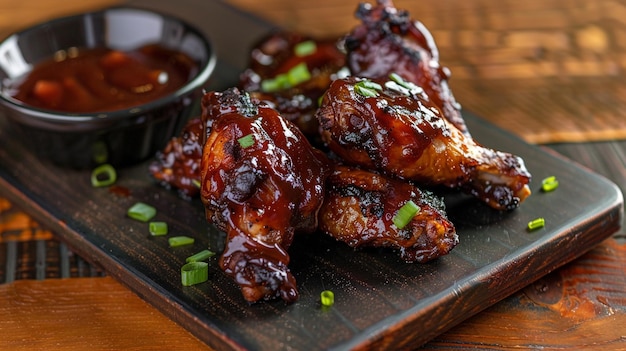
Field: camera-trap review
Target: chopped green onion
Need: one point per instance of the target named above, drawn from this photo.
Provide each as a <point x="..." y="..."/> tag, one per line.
<point x="141" y="212"/>
<point x="182" y="240"/>
<point x="194" y="273"/>
<point x="405" y="214"/>
<point x="536" y="223"/>
<point x="157" y="228"/>
<point x="549" y="184"/>
<point x="103" y="175"/>
<point x="327" y="298"/>
<point x="270" y="85"/>
<point x="413" y="88"/>
<point x="246" y="141"/>
<point x="305" y="48"/>
<point x="279" y="82"/>
<point x="201" y="256"/>
<point x="370" y="85"/>
<point x="298" y="74"/>
<point x="396" y="78"/>
<point x="196" y="183"/>
<point x="367" y="92"/>
<point x="391" y="85"/>
<point x="367" y="88"/>
<point x="99" y="151"/>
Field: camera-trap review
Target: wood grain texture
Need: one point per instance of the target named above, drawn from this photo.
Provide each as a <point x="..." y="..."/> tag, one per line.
<point x="564" y="310"/>
<point x="16" y="225"/>
<point x="29" y="250"/>
<point x="581" y="306"/>
<point x="556" y="67"/>
<point x="84" y="314"/>
<point x="17" y="15"/>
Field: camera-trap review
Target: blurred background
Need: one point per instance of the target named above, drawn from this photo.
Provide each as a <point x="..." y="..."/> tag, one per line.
<point x="547" y="70"/>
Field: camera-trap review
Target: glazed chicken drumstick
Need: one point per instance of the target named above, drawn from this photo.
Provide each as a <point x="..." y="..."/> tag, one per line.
<point x="389" y="41"/>
<point x="261" y="182"/>
<point x="393" y="127"/>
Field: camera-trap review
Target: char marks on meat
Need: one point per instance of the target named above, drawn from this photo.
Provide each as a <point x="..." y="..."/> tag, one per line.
<point x="260" y="193"/>
<point x="403" y="134"/>
<point x="389" y="41"/>
<point x="388" y="127"/>
<point x="360" y="206"/>
<point x="178" y="164"/>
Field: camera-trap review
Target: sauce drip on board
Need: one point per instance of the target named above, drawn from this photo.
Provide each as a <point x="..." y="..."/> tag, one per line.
<point x="102" y="79"/>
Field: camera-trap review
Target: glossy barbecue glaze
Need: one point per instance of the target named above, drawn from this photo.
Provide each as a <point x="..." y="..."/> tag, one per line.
<point x="389" y="41"/>
<point x="259" y="193"/>
<point x="402" y="133"/>
<point x="255" y="190"/>
<point x="360" y="206"/>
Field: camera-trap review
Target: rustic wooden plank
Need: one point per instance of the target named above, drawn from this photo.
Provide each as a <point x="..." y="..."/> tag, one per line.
<point x="581" y="306"/>
<point x="30" y="251"/>
<point x="75" y="314"/>
<point x="15" y="15"/>
<point x="582" y="312"/>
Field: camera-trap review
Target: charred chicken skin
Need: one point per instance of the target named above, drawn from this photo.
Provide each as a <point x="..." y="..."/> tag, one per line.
<point x="261" y="182"/>
<point x="389" y="41"/>
<point x="360" y="206"/>
<point x="387" y="127"/>
<point x="264" y="190"/>
<point x="178" y="164"/>
<point x="392" y="126"/>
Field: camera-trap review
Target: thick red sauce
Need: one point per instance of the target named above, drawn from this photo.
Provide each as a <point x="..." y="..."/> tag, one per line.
<point x="100" y="79"/>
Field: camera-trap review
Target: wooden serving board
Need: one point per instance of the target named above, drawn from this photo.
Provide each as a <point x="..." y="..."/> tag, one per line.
<point x="381" y="302"/>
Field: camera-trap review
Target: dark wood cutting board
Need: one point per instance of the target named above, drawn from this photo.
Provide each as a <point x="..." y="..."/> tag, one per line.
<point x="381" y="302"/>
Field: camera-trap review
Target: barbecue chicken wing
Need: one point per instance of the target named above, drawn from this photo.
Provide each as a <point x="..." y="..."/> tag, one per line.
<point x="360" y="208"/>
<point x="394" y="128"/>
<point x="389" y="41"/>
<point x="261" y="182"/>
<point x="178" y="164"/>
<point x="292" y="71"/>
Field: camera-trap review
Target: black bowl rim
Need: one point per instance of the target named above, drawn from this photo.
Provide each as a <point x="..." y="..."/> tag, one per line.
<point x="60" y="117"/>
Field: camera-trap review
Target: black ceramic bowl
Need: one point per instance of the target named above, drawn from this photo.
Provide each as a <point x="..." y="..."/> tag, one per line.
<point x="120" y="137"/>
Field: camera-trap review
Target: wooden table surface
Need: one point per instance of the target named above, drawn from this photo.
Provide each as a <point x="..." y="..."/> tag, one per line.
<point x="533" y="84"/>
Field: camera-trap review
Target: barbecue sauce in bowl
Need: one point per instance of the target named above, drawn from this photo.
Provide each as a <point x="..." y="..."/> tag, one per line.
<point x="102" y="79"/>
